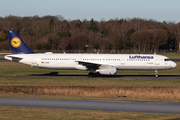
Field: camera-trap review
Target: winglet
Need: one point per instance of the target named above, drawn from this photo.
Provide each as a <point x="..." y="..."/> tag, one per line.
<point x="17" y="44"/>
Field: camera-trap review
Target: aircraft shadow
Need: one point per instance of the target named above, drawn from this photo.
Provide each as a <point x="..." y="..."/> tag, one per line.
<point x="55" y="74"/>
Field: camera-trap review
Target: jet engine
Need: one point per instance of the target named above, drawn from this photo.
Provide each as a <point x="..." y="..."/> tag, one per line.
<point x="107" y="70"/>
<point x="80" y="67"/>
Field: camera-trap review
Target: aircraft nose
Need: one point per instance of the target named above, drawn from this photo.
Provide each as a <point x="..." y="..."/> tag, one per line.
<point x="174" y="64"/>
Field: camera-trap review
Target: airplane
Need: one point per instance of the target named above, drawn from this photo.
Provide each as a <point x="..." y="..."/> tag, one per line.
<point x="104" y="64"/>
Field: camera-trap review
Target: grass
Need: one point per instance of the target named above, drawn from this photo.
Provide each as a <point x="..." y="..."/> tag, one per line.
<point x="171" y="55"/>
<point x="94" y="88"/>
<point x="132" y="92"/>
<point x="87" y="82"/>
<point x="2" y="55"/>
<point x="24" y="113"/>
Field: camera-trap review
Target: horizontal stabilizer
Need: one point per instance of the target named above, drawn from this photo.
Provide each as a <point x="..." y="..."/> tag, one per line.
<point x="15" y="58"/>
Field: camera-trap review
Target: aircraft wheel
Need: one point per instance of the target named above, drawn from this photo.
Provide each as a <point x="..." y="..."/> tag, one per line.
<point x="156" y="72"/>
<point x="156" y="75"/>
<point x="90" y="74"/>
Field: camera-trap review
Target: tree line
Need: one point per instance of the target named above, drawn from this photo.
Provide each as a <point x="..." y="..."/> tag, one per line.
<point x="57" y="33"/>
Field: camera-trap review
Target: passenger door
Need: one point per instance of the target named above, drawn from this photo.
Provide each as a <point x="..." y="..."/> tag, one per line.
<point x="122" y="61"/>
<point x="157" y="60"/>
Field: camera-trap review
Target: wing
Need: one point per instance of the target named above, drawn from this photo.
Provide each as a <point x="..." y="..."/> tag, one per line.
<point x="90" y="65"/>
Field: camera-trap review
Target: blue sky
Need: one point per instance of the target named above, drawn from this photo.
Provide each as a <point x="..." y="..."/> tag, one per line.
<point x="160" y="10"/>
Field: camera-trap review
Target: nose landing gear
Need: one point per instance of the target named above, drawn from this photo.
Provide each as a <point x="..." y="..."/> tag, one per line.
<point x="156" y="73"/>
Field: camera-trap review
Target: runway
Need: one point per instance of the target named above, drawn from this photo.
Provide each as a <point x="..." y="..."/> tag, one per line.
<point x="96" y="76"/>
<point x="3" y="60"/>
<point x="149" y="107"/>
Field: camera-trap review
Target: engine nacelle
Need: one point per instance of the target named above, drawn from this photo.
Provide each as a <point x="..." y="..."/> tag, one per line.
<point x="107" y="70"/>
<point x="80" y="67"/>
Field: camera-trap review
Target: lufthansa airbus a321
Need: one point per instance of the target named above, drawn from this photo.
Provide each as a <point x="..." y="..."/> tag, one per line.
<point x="104" y="64"/>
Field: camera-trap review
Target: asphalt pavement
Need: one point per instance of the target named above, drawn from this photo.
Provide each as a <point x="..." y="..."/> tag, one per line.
<point x="127" y="106"/>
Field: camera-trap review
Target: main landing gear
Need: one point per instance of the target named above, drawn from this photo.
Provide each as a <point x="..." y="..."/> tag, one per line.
<point x="90" y="74"/>
<point x="156" y="73"/>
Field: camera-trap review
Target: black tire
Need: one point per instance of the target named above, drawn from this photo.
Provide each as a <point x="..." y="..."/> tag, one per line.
<point x="90" y="74"/>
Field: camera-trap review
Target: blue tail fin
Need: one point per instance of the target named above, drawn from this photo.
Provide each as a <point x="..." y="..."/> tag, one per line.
<point x="17" y="45"/>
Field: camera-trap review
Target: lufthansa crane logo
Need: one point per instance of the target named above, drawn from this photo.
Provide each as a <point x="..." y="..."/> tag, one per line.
<point x="15" y="42"/>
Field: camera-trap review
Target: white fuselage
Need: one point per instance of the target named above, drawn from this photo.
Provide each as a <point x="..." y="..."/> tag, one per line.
<point x="72" y="61"/>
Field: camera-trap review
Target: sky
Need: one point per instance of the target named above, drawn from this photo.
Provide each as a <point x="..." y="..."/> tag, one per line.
<point x="159" y="10"/>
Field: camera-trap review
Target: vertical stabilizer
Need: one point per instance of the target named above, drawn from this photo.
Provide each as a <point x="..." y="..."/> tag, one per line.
<point x="17" y="44"/>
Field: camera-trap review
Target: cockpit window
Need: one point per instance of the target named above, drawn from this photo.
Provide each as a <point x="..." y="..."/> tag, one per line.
<point x="167" y="60"/>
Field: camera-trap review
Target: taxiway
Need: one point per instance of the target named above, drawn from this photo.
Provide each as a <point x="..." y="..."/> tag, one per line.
<point x="127" y="106"/>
